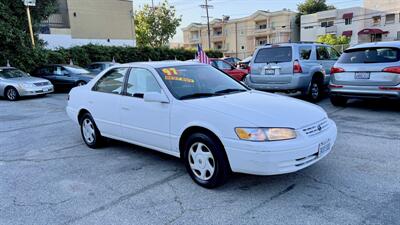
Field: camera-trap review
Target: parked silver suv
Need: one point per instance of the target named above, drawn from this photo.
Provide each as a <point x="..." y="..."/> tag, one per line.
<point x="290" y="67"/>
<point x="369" y="70"/>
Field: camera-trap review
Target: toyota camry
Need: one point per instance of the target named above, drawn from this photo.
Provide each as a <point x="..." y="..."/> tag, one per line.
<point x="193" y="111"/>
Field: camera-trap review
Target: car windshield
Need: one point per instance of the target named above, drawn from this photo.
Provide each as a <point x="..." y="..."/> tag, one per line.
<point x="370" y="55"/>
<point x="77" y="70"/>
<point x="198" y="81"/>
<point x="12" y="73"/>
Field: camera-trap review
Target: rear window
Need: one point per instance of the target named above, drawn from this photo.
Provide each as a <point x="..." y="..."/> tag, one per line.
<point x="370" y="55"/>
<point x="273" y="54"/>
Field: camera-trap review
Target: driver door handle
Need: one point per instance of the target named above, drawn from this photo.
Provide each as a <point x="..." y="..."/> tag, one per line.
<point x="125" y="108"/>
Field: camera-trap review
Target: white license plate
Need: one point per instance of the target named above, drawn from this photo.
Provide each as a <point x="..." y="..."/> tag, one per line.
<point x="324" y="147"/>
<point x="362" y="75"/>
<point x="270" y="71"/>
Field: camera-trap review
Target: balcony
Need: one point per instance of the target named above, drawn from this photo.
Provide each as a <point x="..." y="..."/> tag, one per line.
<point x="218" y="37"/>
<point x="331" y="29"/>
<point x="194" y="40"/>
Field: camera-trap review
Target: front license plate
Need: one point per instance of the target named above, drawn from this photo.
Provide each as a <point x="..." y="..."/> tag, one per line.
<point x="324" y="147"/>
<point x="270" y="72"/>
<point x="362" y="75"/>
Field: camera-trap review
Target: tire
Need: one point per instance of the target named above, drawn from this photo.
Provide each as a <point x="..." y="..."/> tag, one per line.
<point x="89" y="131"/>
<point x="80" y="83"/>
<point x="338" y="100"/>
<point x="11" y="94"/>
<point x="315" y="91"/>
<point x="205" y="160"/>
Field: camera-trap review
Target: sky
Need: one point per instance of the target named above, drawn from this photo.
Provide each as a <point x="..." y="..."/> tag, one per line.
<point x="191" y="11"/>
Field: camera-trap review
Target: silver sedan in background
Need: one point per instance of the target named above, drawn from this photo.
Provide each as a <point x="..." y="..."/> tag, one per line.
<point x="369" y="70"/>
<point x="15" y="83"/>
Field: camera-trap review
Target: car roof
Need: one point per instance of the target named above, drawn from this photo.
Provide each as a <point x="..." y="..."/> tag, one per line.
<point x="293" y="44"/>
<point x="7" y="67"/>
<point x="161" y="64"/>
<point x="377" y="44"/>
<point x="105" y="62"/>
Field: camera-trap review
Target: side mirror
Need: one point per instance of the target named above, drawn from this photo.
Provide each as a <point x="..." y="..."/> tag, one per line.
<point x="155" y="97"/>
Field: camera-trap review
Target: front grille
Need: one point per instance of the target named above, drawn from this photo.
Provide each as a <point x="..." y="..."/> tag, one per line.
<point x="316" y="128"/>
<point x="41" y="84"/>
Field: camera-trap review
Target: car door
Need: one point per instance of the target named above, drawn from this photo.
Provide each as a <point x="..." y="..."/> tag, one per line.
<point x="144" y="123"/>
<point x="326" y="57"/>
<point x="63" y="77"/>
<point x="47" y="73"/>
<point x="229" y="69"/>
<point x="104" y="102"/>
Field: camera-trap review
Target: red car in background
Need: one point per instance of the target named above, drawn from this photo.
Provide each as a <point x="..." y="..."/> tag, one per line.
<point x="238" y="74"/>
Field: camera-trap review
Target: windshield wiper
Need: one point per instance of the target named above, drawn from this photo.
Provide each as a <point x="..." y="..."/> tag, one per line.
<point x="197" y="95"/>
<point x="230" y="90"/>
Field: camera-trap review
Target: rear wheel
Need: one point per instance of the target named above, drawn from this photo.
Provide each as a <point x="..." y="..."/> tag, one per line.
<point x="81" y="83"/>
<point x="205" y="160"/>
<point x="11" y="94"/>
<point x="338" y="100"/>
<point x="90" y="133"/>
<point x="315" y="92"/>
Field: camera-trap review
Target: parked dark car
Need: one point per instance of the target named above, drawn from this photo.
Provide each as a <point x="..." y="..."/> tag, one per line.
<point x="64" y="76"/>
<point x="98" y="67"/>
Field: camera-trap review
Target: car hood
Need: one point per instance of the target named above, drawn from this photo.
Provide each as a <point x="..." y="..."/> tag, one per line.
<point x="263" y="109"/>
<point x="29" y="80"/>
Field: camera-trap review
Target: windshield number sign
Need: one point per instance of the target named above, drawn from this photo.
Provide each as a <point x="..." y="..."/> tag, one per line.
<point x="170" y="71"/>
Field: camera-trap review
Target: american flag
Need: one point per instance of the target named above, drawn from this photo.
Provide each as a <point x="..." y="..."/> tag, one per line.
<point x="202" y="57"/>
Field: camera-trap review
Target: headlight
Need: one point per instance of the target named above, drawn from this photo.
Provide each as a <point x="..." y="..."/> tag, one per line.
<point x="27" y="85"/>
<point x="265" y="134"/>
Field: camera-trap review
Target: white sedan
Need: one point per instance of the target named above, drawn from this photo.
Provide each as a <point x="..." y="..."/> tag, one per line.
<point x="198" y="113"/>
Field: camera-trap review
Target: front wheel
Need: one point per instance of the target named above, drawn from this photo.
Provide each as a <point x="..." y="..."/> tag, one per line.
<point x="90" y="133"/>
<point x="205" y="160"/>
<point x="11" y="94"/>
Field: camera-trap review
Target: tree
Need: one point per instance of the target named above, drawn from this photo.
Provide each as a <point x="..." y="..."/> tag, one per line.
<point x="14" y="33"/>
<point x="332" y="39"/>
<point x="155" y="26"/>
<point x="310" y="7"/>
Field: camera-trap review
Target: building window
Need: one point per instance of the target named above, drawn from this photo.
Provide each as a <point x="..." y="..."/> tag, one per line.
<point x="348" y="21"/>
<point x="390" y="18"/>
<point x="262" y="26"/>
<point x="308" y="27"/>
<point x="327" y="24"/>
<point x="398" y="35"/>
<point x="376" y="20"/>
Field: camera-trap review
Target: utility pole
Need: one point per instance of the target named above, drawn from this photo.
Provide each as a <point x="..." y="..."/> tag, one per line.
<point x="207" y="6"/>
<point x="28" y="3"/>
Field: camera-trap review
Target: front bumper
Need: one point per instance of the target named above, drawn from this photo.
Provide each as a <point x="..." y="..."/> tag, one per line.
<point x="271" y="158"/>
<point x="365" y="91"/>
<point x="40" y="90"/>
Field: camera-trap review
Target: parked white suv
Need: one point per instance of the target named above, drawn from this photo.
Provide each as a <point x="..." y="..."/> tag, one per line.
<point x="200" y="114"/>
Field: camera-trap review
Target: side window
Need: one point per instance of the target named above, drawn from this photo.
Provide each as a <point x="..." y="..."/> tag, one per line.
<point x="112" y="82"/>
<point x="223" y="65"/>
<point x="305" y="52"/>
<point x="322" y="53"/>
<point x="141" y="81"/>
<point x="333" y="54"/>
<point x="59" y="71"/>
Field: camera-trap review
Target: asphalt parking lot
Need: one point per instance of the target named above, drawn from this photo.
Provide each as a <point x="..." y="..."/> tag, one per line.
<point x="48" y="176"/>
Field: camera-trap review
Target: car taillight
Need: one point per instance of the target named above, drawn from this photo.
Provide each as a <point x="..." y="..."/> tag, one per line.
<point x="297" y="67"/>
<point x="336" y="70"/>
<point x="395" y="69"/>
<point x="249" y="69"/>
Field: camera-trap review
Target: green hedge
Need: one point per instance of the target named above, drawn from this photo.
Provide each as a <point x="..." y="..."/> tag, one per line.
<point x="84" y="55"/>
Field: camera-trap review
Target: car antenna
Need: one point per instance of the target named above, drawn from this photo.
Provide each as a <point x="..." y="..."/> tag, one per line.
<point x="8" y="63"/>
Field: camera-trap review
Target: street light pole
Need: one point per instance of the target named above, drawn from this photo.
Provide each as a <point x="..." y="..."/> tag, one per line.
<point x="28" y="12"/>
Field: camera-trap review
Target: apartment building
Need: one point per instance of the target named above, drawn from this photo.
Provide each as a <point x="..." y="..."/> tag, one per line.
<point x="77" y="22"/>
<point x="372" y="22"/>
<point x="240" y="37"/>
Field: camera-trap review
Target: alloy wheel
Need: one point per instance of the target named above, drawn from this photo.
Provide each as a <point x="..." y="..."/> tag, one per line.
<point x="315" y="91"/>
<point x="201" y="161"/>
<point x="88" y="131"/>
<point x="12" y="94"/>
